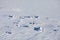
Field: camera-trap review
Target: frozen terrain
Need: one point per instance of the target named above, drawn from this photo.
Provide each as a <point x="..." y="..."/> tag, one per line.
<point x="29" y="19"/>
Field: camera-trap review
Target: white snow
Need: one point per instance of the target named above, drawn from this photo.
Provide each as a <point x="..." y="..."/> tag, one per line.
<point x="49" y="19"/>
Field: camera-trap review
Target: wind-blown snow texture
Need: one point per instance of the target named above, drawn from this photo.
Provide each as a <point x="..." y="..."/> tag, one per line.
<point x="29" y="19"/>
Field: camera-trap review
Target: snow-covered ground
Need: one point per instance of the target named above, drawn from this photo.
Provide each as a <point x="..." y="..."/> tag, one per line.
<point x="29" y="19"/>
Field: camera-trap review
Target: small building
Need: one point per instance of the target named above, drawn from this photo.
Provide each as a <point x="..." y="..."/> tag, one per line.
<point x="36" y="28"/>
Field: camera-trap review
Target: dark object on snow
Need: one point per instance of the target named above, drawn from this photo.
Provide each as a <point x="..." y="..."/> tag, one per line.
<point x="36" y="16"/>
<point x="9" y="32"/>
<point x="10" y="16"/>
<point x="25" y="26"/>
<point x="54" y="30"/>
<point x="32" y="23"/>
<point x="36" y="28"/>
<point x="27" y="16"/>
